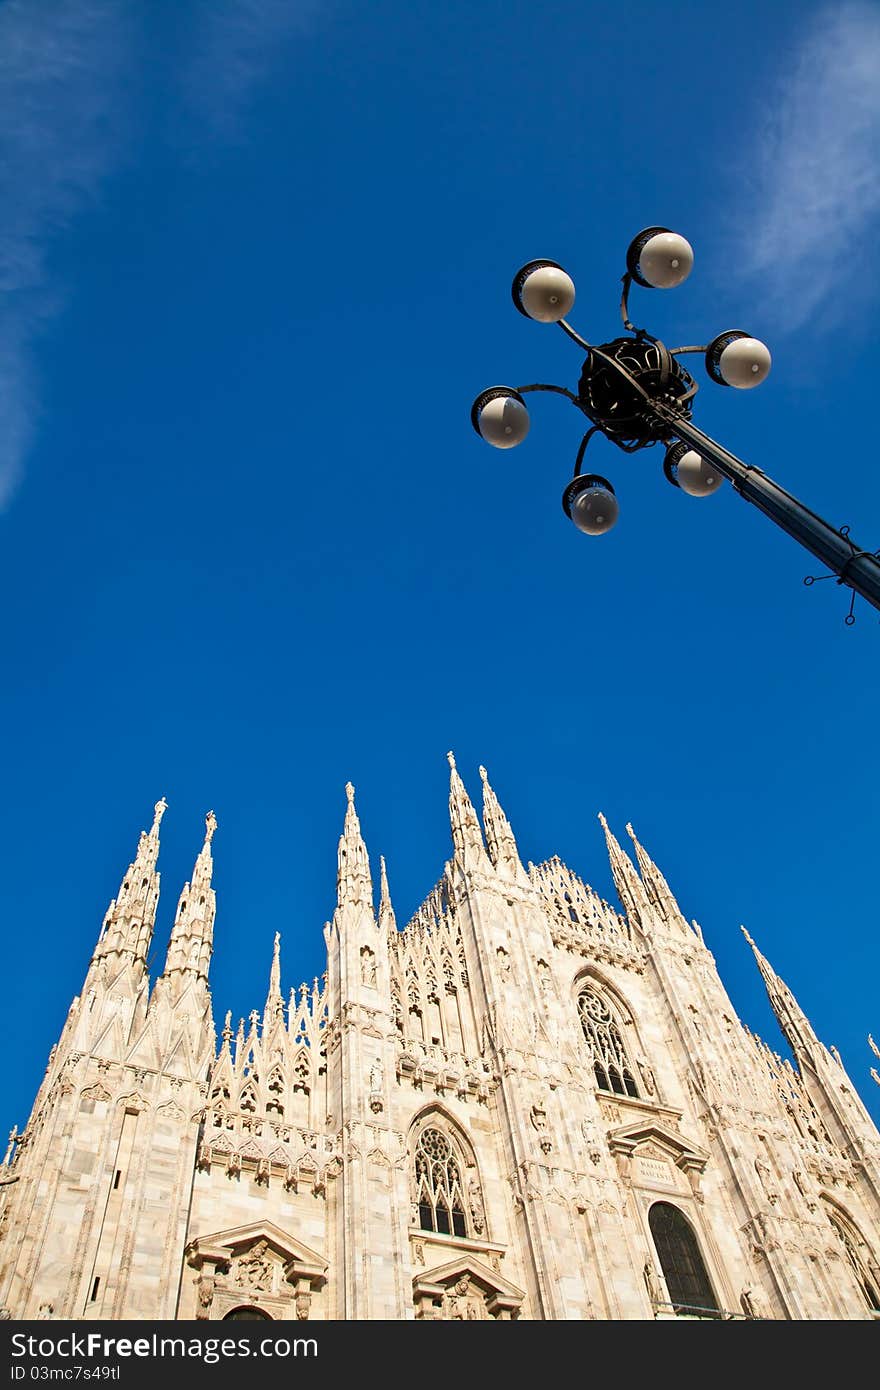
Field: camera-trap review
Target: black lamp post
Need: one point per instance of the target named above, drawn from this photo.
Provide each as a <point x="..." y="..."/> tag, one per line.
<point x="636" y="392"/>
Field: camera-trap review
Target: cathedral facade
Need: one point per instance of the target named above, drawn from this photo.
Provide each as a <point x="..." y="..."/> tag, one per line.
<point x="524" y="1104"/>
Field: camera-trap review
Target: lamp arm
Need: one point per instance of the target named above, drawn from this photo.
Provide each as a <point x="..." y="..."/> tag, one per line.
<point x="858" y="569"/>
<point x="575" y="337"/>
<point x="545" y="386"/>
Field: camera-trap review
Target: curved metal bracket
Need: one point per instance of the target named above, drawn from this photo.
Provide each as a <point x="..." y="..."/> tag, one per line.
<point x="545" y="386"/>
<point x="583" y="449"/>
<point x="575" y="337"/>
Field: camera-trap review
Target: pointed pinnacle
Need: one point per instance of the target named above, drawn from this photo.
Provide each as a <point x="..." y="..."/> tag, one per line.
<point x="159" y="810"/>
<point x="384" y="895"/>
<point x="274" y="995"/>
<point x="748" y="938"/>
<point x="451" y="759"/>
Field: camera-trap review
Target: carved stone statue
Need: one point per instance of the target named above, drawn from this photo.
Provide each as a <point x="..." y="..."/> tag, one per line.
<point x="752" y="1303"/>
<point x="464" y="1302"/>
<point x="647" y="1076"/>
<point x="255" y="1269"/>
<point x="762" y="1168"/>
<point x="368" y="967"/>
<point x="652" y="1283"/>
<point x="475" y="1202"/>
<point x="205" y="1291"/>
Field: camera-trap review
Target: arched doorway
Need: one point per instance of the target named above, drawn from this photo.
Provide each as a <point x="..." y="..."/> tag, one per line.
<point x="250" y="1314"/>
<point x="687" y="1280"/>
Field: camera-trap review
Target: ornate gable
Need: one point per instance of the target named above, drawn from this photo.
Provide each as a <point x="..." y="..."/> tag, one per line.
<point x="465" y="1289"/>
<point x="257" y="1265"/>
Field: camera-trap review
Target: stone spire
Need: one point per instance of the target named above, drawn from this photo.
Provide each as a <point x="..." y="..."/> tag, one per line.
<point x="657" y="890"/>
<point x="500" y="841"/>
<point x="466" y="835"/>
<point x="274" y="999"/>
<point x="626" y="880"/>
<point x="128" y="925"/>
<point x="387" y="919"/>
<point x="353" y="881"/>
<point x="192" y="936"/>
<point x="791" y="1019"/>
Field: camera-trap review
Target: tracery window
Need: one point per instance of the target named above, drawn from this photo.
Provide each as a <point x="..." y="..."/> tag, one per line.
<point x="683" y="1269"/>
<point x="865" y="1282"/>
<point x="610" y="1062"/>
<point x="439" y="1185"/>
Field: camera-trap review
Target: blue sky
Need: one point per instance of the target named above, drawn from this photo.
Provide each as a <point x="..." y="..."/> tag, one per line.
<point x="255" y="261"/>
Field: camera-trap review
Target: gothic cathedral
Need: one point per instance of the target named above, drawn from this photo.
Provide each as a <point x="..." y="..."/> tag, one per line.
<point x="524" y="1104"/>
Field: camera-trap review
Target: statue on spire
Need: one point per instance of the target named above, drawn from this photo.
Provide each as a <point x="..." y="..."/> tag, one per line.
<point x="159" y="810"/>
<point x="500" y="840"/>
<point x="353" y="882"/>
<point x="210" y="827"/>
<point x="467" y="837"/>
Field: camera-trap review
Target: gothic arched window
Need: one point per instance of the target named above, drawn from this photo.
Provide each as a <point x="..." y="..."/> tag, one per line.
<point x="610" y="1062"/>
<point x="851" y="1246"/>
<point x="681" y="1261"/>
<point x="439" y="1185"/>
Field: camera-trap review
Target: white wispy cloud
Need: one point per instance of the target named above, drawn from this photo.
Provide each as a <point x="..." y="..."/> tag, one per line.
<point x="61" y="69"/>
<point x="68" y="107"/>
<point x="810" y="187"/>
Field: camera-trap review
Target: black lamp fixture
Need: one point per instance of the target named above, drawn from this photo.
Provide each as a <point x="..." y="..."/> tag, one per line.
<point x="637" y="393"/>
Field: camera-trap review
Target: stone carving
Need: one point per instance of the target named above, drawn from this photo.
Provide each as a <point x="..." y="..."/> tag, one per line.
<point x="538" y="1116"/>
<point x="475" y="1201"/>
<point x="544" y="981"/>
<point x="762" y="1168"/>
<point x="647" y="1076"/>
<point x="368" y="967"/>
<point x="652" y="1284"/>
<point x="464" y="1302"/>
<point x="13" y="1138"/>
<point x="752" y="1303"/>
<point x="205" y="1297"/>
<point x="255" y="1270"/>
<point x="377" y="1081"/>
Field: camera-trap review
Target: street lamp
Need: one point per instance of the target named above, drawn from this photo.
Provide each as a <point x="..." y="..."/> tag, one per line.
<point x="636" y="392"/>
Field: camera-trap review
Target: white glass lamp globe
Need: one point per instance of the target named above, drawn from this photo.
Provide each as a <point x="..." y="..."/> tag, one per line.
<point x="660" y="259"/>
<point x="500" y="416"/>
<point x="543" y="291"/>
<point x="694" y="476"/>
<point x="744" y="363"/>
<point x="591" y="504"/>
